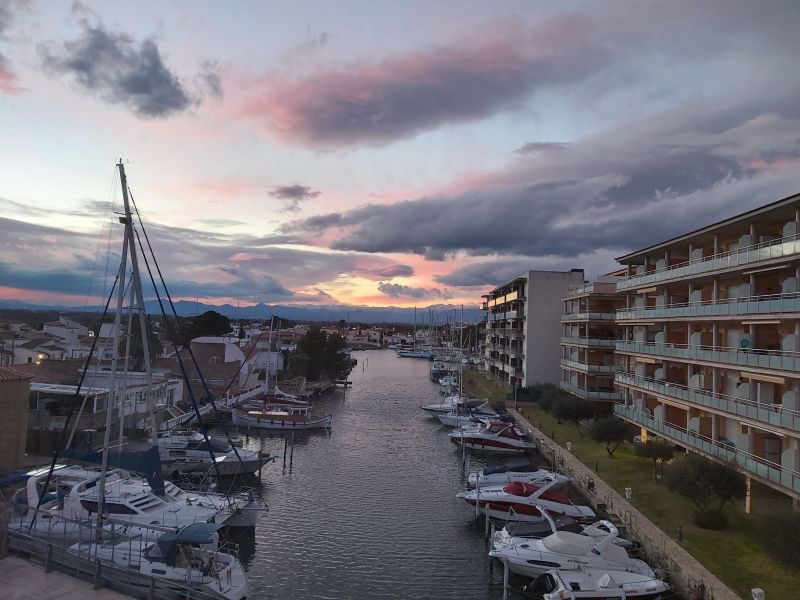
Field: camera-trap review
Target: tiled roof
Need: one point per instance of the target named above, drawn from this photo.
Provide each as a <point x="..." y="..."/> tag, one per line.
<point x="9" y="374"/>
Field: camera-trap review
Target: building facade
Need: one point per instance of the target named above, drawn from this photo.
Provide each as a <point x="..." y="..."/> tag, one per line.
<point x="523" y="330"/>
<point x="709" y="351"/>
<point x="14" y="391"/>
<point x="588" y="338"/>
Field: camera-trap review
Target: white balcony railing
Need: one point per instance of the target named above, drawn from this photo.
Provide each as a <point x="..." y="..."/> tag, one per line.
<point x="589" y="316"/>
<point x="774" y="414"/>
<point x="750" y="463"/>
<point x="740" y="357"/>
<point x="764" y="251"/>
<point x="752" y="305"/>
<point x="589" y="368"/>
<point x="588" y="394"/>
<point x="589" y="341"/>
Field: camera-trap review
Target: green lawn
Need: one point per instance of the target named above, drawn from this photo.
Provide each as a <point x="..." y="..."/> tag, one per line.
<point x="733" y="555"/>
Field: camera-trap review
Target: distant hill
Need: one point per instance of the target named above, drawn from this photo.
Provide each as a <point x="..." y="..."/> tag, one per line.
<point x="354" y="314"/>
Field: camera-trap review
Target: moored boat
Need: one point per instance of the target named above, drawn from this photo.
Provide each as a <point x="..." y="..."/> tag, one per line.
<point x="495" y="436"/>
<point x="281" y="417"/>
<point x="519" y="501"/>
<point x="597" y="584"/>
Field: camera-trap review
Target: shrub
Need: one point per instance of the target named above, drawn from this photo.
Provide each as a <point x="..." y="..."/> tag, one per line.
<point x="567" y="407"/>
<point x="709" y="485"/>
<point x="609" y="431"/>
<point x="655" y="450"/>
<point x="548" y="395"/>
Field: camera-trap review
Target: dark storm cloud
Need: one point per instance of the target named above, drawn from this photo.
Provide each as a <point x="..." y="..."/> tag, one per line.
<point x="292" y="195"/>
<point x="396" y="290"/>
<point x="625" y="188"/>
<point x="117" y="69"/>
<point x="376" y="103"/>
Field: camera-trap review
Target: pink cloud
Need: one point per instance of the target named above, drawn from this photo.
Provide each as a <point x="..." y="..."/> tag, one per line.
<point x="375" y="103"/>
<point x="8" y="82"/>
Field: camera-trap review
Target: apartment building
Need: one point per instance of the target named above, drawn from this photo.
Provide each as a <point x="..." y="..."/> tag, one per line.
<point x="709" y="353"/>
<point x="588" y="338"/>
<point x="523" y="329"/>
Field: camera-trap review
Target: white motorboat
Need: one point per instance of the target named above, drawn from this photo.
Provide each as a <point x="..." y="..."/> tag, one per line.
<point x="552" y="524"/>
<point x="189" y="453"/>
<point x="449" y="404"/>
<point x="536" y="476"/>
<point x="495" y="436"/>
<point x="426" y="354"/>
<point x="565" y="550"/>
<point x="281" y="416"/>
<point x="467" y="415"/>
<point x="449" y="380"/>
<point x="519" y="501"/>
<point x="175" y="565"/>
<point x="597" y="584"/>
<point x="132" y="500"/>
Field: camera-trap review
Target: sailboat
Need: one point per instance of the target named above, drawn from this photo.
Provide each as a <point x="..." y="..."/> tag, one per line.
<point x="110" y="495"/>
<point x="415" y="352"/>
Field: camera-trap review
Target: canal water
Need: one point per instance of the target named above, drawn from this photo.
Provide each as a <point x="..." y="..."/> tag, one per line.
<point x="369" y="509"/>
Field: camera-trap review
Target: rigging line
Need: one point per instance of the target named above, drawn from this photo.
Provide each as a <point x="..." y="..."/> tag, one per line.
<point x="69" y="414"/>
<point x="184" y="374"/>
<point x="175" y="314"/>
<point x="94" y="376"/>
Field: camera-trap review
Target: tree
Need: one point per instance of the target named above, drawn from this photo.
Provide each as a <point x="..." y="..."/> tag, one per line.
<point x="210" y="323"/>
<point x="709" y="485"/>
<point x="655" y="450"/>
<point x="320" y="354"/>
<point x="571" y="408"/>
<point x="547" y="395"/>
<point x="610" y="431"/>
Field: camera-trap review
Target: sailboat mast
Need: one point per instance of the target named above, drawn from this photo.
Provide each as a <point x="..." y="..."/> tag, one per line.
<point x="137" y="289"/>
<point x="112" y="392"/>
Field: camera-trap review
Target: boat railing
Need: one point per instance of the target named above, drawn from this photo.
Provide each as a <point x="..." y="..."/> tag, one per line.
<point x="79" y="561"/>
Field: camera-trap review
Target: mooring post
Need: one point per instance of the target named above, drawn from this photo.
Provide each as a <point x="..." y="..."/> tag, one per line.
<point x="505" y="579"/>
<point x="486" y="526"/>
<point x="477" y="498"/>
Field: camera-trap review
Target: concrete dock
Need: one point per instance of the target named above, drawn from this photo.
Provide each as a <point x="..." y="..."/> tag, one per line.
<point x="23" y="580"/>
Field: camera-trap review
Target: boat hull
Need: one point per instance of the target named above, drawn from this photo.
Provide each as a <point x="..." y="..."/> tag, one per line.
<point x="281" y="424"/>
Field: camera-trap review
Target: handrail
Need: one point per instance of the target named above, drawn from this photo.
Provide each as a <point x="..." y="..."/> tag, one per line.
<point x="762" y="351"/>
<point x="727" y="397"/>
<point x="767" y="462"/>
<point x="717" y="302"/>
<point x="742" y="250"/>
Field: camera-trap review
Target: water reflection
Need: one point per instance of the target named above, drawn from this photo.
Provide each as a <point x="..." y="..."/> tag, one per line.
<point x="369" y="509"/>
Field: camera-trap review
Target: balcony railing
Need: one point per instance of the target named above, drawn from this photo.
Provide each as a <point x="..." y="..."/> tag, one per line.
<point x="589" y="341"/>
<point x="773" y="249"/>
<point x="589" y="368"/>
<point x="752" y="305"/>
<point x="589" y="394"/>
<point x="589" y="316"/>
<point x="750" y="463"/>
<point x="506" y="331"/>
<point x="741" y="357"/>
<point x="774" y="414"/>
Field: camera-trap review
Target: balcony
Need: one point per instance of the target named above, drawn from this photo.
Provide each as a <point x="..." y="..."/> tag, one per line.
<point x="754" y="305"/>
<point x="608" y="396"/>
<point x="590" y="342"/>
<point x="751" y="464"/>
<point x="499" y="316"/>
<point x="764" y="252"/>
<point x="774" y="414"/>
<point x="588" y="368"/>
<point x="589" y="316"/>
<point x="507" y="332"/>
<point x="755" y="358"/>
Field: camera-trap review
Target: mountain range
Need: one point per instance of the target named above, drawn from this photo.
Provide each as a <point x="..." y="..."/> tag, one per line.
<point x="440" y="313"/>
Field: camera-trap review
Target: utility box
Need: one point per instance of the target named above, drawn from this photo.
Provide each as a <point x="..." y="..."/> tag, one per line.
<point x="758" y="594"/>
<point x="628" y="494"/>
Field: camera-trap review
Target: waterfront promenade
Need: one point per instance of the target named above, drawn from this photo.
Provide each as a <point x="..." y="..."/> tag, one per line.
<point x="24" y="580"/>
<point x="690" y="577"/>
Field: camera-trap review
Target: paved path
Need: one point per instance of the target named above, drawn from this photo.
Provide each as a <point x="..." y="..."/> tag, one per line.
<point x="23" y="580"/>
<point x="686" y="573"/>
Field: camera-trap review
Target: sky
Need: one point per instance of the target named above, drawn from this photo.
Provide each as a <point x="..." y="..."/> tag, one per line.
<point x="381" y="153"/>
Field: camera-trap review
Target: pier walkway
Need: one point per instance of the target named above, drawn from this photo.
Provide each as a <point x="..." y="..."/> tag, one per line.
<point x="24" y="580"/>
<point x="686" y="574"/>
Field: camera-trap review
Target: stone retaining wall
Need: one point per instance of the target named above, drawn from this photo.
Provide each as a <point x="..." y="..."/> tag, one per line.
<point x="686" y="574"/>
